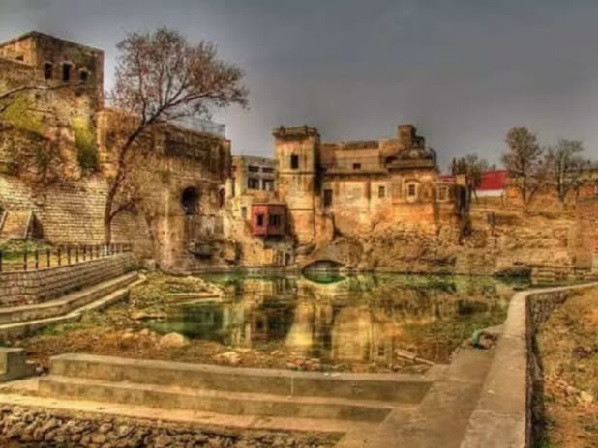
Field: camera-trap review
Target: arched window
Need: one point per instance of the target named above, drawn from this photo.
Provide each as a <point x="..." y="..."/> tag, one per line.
<point x="190" y="201"/>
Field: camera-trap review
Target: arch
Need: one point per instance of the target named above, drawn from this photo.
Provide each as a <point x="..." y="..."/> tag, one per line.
<point x="190" y="201"/>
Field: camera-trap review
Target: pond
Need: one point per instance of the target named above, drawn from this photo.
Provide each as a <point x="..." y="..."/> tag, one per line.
<point x="343" y="319"/>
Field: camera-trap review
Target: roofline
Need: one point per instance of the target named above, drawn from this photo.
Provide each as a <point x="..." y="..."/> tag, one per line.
<point x="33" y="34"/>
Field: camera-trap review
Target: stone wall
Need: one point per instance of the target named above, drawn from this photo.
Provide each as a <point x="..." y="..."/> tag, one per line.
<point x="20" y="288"/>
<point x="72" y="213"/>
<point x="503" y="414"/>
<point x="21" y="426"/>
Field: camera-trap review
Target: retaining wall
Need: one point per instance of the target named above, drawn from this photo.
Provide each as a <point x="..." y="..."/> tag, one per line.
<point x="502" y="417"/>
<point x="20" y="288"/>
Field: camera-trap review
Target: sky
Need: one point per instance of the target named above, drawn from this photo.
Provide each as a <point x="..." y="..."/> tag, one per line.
<point x="462" y="71"/>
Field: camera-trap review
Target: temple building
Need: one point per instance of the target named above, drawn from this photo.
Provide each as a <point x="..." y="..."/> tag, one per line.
<point x="359" y="183"/>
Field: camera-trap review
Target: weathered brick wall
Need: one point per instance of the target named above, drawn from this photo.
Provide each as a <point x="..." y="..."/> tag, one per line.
<point x="18" y="288"/>
<point x="72" y="213"/>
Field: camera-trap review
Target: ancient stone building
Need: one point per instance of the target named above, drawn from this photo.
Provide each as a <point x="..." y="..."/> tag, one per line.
<point x="358" y="184"/>
<point x="179" y="175"/>
<point x="253" y="180"/>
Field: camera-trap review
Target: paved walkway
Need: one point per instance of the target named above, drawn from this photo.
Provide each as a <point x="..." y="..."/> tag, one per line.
<point x="442" y="417"/>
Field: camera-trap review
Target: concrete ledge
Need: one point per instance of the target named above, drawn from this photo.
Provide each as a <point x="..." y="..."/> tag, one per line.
<point x="392" y="388"/>
<point x="502" y="416"/>
<point x="13" y="365"/>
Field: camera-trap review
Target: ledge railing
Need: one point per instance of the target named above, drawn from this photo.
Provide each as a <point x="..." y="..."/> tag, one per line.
<point x="31" y="260"/>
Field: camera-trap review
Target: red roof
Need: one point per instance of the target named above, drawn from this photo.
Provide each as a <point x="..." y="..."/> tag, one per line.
<point x="491" y="180"/>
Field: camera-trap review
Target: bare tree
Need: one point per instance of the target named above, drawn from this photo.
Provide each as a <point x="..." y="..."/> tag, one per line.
<point x="523" y="160"/>
<point x="161" y="77"/>
<point x="473" y="168"/>
<point x="565" y="167"/>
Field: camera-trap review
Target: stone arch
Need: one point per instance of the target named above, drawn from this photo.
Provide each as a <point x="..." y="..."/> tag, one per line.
<point x="190" y="201"/>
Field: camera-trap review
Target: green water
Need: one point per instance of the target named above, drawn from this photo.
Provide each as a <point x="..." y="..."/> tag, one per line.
<point x="343" y="319"/>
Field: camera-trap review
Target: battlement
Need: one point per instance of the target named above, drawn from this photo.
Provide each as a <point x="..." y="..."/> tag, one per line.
<point x="295" y="132"/>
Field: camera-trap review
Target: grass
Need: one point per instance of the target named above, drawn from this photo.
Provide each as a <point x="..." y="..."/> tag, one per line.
<point x="566" y="408"/>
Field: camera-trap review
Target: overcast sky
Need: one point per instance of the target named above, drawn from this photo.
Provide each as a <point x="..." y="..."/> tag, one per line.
<point x="462" y="71"/>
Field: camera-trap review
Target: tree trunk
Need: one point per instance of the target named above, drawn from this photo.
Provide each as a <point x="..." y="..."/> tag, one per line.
<point x="108" y="215"/>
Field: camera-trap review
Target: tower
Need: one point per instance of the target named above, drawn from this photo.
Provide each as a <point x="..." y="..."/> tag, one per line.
<point x="297" y="156"/>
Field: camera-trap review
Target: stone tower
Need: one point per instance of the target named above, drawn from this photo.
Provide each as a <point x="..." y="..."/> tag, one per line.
<point x="297" y="156"/>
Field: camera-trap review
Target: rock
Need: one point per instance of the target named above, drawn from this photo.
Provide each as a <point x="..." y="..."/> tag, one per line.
<point x="150" y="265"/>
<point x="585" y="397"/>
<point x="173" y="340"/>
<point x="232" y="358"/>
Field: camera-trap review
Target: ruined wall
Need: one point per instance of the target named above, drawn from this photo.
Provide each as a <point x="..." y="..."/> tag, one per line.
<point x="20" y="288"/>
<point x="179" y="178"/>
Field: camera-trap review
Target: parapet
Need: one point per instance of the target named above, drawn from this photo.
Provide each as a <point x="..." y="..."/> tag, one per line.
<point x="295" y="132"/>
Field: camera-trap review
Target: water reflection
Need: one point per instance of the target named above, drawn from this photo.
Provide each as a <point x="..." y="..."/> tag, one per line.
<point x="361" y="318"/>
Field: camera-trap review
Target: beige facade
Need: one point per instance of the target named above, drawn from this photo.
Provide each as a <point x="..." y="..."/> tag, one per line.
<point x="359" y="183"/>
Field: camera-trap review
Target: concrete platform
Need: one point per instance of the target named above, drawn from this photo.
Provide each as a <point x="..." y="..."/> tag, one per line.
<point x="389" y="388"/>
<point x="235" y="403"/>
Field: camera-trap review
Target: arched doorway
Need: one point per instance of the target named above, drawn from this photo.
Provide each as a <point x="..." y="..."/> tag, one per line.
<point x="190" y="201"/>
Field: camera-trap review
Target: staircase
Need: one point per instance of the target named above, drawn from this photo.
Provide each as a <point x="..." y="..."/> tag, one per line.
<point x="19" y="321"/>
<point x="316" y="399"/>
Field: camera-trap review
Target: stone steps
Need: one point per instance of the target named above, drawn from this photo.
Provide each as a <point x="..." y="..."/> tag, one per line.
<point x="237" y="403"/>
<point x="68" y="309"/>
<point x="64" y="305"/>
<point x="233" y="391"/>
<point x="389" y="388"/>
<point x="200" y="419"/>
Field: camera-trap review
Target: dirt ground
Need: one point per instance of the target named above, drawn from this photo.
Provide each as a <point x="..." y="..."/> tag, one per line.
<point x="567" y="345"/>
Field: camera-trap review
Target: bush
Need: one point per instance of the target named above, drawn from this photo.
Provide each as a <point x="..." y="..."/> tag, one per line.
<point x="85" y="142"/>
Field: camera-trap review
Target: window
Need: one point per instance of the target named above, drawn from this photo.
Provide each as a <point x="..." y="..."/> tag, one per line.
<point x="253" y="169"/>
<point x="294" y="161"/>
<point x="274" y="220"/>
<point x="83" y="75"/>
<point x="442" y="193"/>
<point x="190" y="201"/>
<point x="268" y="184"/>
<point x="259" y="219"/>
<point x="66" y="72"/>
<point x="253" y="183"/>
<point x="357" y="166"/>
<point x="19" y="58"/>
<point x="244" y="212"/>
<point x="327" y="197"/>
<point x="381" y="191"/>
<point x="221" y="197"/>
<point x="411" y="190"/>
<point x="267" y="170"/>
<point x="48" y="68"/>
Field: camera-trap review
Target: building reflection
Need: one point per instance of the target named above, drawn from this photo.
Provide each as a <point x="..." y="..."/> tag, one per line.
<point x="360" y="318"/>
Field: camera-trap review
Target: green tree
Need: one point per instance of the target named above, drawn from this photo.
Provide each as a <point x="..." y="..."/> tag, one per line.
<point x="524" y="163"/>
<point x="161" y="77"/>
